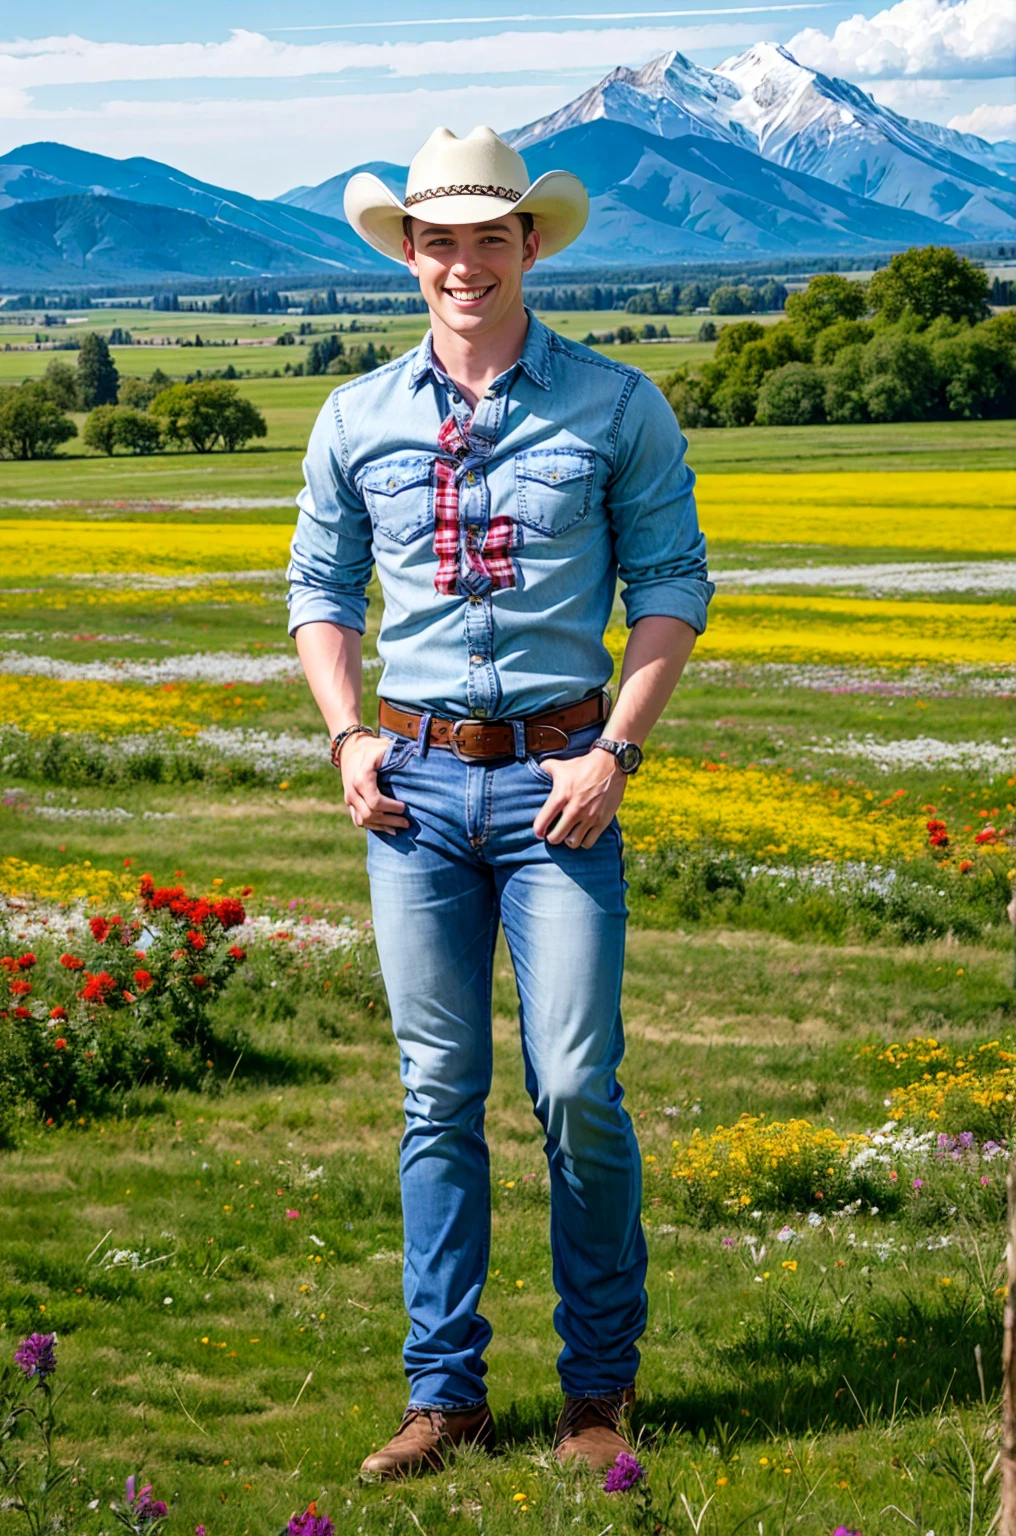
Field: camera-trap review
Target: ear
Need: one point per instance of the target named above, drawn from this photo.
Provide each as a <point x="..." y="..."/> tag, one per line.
<point x="409" y="251"/>
<point x="530" y="250"/>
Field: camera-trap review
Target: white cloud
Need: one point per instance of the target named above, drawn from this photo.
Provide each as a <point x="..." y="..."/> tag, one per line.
<point x="928" y="38"/>
<point x="264" y="147"/>
<point x="991" y="123"/>
<point x="72" y="60"/>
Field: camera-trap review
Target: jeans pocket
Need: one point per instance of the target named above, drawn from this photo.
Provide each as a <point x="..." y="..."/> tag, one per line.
<point x="539" y="774"/>
<point x="400" y="749"/>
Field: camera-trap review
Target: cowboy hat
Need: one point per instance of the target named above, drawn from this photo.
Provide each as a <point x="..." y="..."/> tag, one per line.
<point x="467" y="181"/>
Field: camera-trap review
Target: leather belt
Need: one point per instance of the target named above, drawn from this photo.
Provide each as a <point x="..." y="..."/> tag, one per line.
<point x="485" y="740"/>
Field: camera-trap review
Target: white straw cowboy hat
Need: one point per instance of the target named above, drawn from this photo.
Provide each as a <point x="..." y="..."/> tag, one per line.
<point x="467" y="181"/>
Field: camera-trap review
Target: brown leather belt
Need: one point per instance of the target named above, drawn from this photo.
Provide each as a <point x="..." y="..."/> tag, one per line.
<point x="482" y="740"/>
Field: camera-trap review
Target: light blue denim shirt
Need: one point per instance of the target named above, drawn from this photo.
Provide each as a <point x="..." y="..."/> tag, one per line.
<point x="582" y="454"/>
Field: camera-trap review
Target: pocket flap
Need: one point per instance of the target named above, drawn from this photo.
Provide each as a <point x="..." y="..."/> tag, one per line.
<point x="551" y="466"/>
<point x="387" y="477"/>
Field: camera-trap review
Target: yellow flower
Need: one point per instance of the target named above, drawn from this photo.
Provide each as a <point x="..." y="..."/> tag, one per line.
<point x="790" y="1264"/>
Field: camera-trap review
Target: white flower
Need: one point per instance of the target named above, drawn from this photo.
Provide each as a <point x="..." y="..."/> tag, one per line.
<point x="167" y="1301"/>
<point x="814" y="1219"/>
<point x="786" y="1235"/>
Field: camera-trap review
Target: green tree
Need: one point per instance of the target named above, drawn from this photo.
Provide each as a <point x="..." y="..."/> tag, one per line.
<point x="206" y="411"/>
<point x="827" y="298"/>
<point x="707" y="331"/>
<point x="31" y="425"/>
<point x="844" y="386"/>
<point x="61" y="384"/>
<point x="100" y="429"/>
<point x="726" y="300"/>
<point x="929" y="282"/>
<point x="976" y="369"/>
<point x="899" y="378"/>
<point x="136" y="431"/>
<point x="842" y="333"/>
<point x="98" y="379"/>
<point x="791" y="396"/>
<point x="734" y="337"/>
<point x="139" y="393"/>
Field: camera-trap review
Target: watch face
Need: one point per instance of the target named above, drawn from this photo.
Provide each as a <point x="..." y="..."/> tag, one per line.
<point x="629" y="757"/>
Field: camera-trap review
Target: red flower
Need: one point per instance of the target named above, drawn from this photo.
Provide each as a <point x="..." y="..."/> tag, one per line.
<point x="9" y="963"/>
<point x="142" y="980"/>
<point x="966" y="866"/>
<point x="987" y="836"/>
<point x="100" y="929"/>
<point x="59" y="1045"/>
<point x="71" y="962"/>
<point x="25" y="962"/>
<point x="97" y="987"/>
<point x="237" y="953"/>
<point x="179" y="954"/>
<point x="129" y="997"/>
<point x="200" y="981"/>
<point x="21" y="988"/>
<point x="22" y="1013"/>
<point x="248" y="890"/>
<point x="58" y="1013"/>
<point x="229" y="911"/>
<point x="196" y="940"/>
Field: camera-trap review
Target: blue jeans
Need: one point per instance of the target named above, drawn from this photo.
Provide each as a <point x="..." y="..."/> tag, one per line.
<point x="468" y="860"/>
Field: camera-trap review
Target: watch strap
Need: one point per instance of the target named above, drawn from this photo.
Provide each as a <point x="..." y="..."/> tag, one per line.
<point x="339" y="741"/>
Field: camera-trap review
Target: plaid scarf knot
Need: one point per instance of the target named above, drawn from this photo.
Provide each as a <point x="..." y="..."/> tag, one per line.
<point x="482" y="553"/>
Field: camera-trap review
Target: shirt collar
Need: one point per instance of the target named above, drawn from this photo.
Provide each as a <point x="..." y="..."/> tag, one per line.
<point x="534" y="361"/>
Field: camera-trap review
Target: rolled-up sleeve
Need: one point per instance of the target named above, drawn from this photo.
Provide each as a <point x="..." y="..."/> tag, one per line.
<point x="660" y="549"/>
<point x="331" y="557"/>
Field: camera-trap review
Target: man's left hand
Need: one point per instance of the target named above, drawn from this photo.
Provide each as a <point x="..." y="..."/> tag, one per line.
<point x="584" y="800"/>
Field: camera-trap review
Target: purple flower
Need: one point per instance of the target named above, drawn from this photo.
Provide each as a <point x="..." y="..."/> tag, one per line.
<point x="844" y="1530"/>
<point x="36" y="1355"/>
<point x="199" y="1530"/>
<point x="918" y="1184"/>
<point x="624" y="1474"/>
<point x="144" y="1508"/>
<point x="730" y="1242"/>
<point x="310" y="1523"/>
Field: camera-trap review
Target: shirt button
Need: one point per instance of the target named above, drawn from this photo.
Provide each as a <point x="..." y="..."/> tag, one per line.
<point x="470" y="477"/>
<point x="477" y="659"/>
<point x="480" y="713"/>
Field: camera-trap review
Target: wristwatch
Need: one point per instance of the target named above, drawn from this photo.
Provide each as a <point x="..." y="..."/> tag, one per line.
<point x="339" y="741"/>
<point x="628" y="755"/>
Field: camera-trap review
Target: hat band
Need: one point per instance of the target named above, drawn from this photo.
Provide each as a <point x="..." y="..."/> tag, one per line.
<point x="463" y="189"/>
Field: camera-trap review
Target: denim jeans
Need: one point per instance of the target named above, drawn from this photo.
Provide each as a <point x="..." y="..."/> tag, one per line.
<point x="468" y="860"/>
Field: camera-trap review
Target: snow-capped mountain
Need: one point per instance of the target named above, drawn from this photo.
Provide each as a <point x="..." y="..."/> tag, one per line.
<point x="766" y="101"/>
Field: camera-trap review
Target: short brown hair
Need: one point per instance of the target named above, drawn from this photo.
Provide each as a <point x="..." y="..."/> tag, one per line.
<point x="525" y="219"/>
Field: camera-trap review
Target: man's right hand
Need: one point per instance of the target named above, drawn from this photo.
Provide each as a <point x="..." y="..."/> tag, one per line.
<point x="359" y="761"/>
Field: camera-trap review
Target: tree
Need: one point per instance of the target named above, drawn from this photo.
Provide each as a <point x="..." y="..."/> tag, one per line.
<point x="727" y="300"/>
<point x="98" y="379"/>
<point x="61" y="384"/>
<point x="100" y="429"/>
<point x="792" y="396"/>
<point x="31" y="426"/>
<point x="929" y="282"/>
<point x="842" y="333"/>
<point x="707" y="331"/>
<point x="205" y="411"/>
<point x="976" y="371"/>
<point x="734" y="337"/>
<point x="827" y="298"/>
<point x="139" y="393"/>
<point x="899" y="378"/>
<point x="844" y="386"/>
<point x="137" y="431"/>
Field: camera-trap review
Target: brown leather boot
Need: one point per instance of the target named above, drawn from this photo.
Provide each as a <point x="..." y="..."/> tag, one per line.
<point x="590" y="1429"/>
<point x="425" y="1436"/>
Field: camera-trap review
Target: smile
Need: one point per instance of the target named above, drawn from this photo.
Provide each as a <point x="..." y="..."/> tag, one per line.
<point x="468" y="295"/>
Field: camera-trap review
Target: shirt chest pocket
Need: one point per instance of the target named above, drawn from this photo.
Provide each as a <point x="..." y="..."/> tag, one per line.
<point x="399" y="495"/>
<point x="553" y="488"/>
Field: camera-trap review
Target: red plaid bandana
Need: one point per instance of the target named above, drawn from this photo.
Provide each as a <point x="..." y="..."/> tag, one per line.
<point x="484" y="555"/>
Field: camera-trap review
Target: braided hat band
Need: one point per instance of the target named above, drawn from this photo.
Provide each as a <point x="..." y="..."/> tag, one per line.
<point x="463" y="189"/>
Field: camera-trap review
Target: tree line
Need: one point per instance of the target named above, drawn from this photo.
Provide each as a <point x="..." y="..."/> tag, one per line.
<point x="139" y="416"/>
<point x="915" y="343"/>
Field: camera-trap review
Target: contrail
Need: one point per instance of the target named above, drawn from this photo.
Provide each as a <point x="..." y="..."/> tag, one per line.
<point x="458" y="21"/>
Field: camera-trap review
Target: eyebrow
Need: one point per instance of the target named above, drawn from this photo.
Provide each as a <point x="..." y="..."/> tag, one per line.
<point x="446" y="229"/>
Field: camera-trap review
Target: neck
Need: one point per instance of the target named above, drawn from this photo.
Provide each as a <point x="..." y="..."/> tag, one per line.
<point x="474" y="362"/>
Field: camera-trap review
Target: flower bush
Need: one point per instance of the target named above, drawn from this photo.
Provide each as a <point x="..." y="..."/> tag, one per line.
<point x="956" y="1090"/>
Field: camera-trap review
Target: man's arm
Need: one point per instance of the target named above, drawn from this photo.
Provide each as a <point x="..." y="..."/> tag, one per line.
<point x="332" y="658"/>
<point x="588" y="790"/>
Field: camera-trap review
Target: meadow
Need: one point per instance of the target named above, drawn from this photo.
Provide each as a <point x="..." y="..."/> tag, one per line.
<point x="819" y="858"/>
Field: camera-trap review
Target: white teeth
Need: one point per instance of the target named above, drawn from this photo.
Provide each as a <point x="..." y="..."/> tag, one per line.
<point x="465" y="294"/>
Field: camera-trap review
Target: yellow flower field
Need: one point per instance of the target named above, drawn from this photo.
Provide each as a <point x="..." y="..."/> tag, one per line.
<point x="58" y="547"/>
<point x="59" y="599"/>
<point x="71" y="882"/>
<point x="42" y="706"/>
<point x="759" y="812"/>
<point x="760" y="1162"/>
<point x="968" y="511"/>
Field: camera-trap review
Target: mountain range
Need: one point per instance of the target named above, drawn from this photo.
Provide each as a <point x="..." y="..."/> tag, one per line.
<point x="759" y="155"/>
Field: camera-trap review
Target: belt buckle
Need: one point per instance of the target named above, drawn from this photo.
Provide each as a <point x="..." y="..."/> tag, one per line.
<point x="463" y="757"/>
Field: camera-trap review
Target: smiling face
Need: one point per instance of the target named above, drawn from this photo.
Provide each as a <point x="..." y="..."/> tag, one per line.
<point x="471" y="274"/>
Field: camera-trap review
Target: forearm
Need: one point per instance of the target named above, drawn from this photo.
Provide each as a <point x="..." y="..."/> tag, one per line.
<point x="656" y="654"/>
<point x="332" y="659"/>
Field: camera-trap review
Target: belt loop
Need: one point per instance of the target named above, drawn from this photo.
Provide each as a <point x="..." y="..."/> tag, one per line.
<point x="423" y="734"/>
<point x="519" y="732"/>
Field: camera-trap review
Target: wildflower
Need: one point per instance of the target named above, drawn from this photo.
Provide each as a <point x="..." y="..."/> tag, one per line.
<point x="624" y="1474"/>
<point x="229" y="912"/>
<point x="292" y="1215"/>
<point x="918" y="1184"/>
<point x="60" y="1045"/>
<point x="25" y="962"/>
<point x="97" y="987"/>
<point x="144" y="1508"/>
<point x="310" y="1523"/>
<point x="236" y="952"/>
<point x="71" y="962"/>
<point x="21" y="988"/>
<point x="36" y="1355"/>
<point x="100" y="929"/>
<point x="842" y="1530"/>
<point x="58" y="1013"/>
<point x="22" y="1013"/>
<point x="196" y="939"/>
<point x="199" y="980"/>
<point x="248" y="890"/>
<point x="142" y="980"/>
<point x="966" y="865"/>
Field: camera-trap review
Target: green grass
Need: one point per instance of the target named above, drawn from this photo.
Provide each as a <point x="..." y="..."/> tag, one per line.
<point x="740" y="1380"/>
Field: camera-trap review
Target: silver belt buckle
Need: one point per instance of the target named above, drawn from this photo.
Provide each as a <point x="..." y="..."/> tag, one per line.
<point x="463" y="757"/>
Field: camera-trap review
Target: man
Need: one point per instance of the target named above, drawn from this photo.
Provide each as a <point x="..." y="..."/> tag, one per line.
<point x="500" y="478"/>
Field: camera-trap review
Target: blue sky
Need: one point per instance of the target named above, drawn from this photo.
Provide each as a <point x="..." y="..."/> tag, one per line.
<point x="261" y="96"/>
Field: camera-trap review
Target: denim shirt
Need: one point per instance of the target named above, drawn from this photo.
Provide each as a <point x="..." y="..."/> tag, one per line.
<point x="583" y="454"/>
